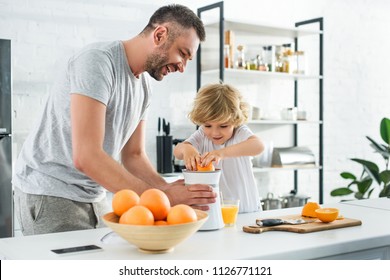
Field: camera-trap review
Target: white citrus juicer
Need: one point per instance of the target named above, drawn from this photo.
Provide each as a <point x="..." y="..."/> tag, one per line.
<point x="210" y="178"/>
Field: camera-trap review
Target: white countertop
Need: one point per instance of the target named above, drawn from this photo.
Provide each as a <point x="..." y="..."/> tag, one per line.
<point x="377" y="203"/>
<point x="227" y="243"/>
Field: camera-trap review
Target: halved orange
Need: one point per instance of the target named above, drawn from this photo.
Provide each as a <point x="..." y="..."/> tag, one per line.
<point x="309" y="209"/>
<point x="209" y="167"/>
<point x="327" y="215"/>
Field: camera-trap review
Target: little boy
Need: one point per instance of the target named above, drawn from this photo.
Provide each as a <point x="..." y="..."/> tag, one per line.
<point x="223" y="138"/>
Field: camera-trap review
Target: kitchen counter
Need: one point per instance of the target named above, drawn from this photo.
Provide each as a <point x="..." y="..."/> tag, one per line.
<point x="371" y="240"/>
<point x="377" y="203"/>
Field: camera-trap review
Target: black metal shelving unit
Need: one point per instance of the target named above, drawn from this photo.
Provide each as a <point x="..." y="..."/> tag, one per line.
<point x="319" y="21"/>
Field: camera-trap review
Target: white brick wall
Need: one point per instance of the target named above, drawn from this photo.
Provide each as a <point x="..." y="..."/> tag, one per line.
<point x="45" y="33"/>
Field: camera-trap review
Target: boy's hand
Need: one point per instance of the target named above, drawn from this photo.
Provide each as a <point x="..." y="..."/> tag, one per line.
<point x="208" y="157"/>
<point x="191" y="157"/>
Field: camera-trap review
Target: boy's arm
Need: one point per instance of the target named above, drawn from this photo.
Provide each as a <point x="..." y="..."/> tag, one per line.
<point x="250" y="147"/>
<point x="185" y="151"/>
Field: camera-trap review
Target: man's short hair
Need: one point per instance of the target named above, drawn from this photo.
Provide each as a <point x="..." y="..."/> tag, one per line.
<point x="179" y="14"/>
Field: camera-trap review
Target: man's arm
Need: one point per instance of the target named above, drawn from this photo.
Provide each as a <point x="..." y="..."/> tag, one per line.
<point x="88" y="123"/>
<point x="135" y="160"/>
<point x="88" y="128"/>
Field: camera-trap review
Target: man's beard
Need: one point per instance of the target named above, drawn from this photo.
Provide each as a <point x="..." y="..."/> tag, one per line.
<point x="154" y="64"/>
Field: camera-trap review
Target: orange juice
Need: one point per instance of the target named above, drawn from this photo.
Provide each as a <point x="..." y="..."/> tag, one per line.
<point x="229" y="213"/>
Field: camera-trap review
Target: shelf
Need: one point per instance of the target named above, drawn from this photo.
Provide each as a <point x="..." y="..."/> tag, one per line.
<point x="279" y="169"/>
<point x="255" y="33"/>
<point x="283" y="122"/>
<point x="239" y="73"/>
<point x="264" y="29"/>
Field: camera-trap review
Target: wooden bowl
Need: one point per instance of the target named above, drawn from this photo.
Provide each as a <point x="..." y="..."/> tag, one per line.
<point x="327" y="215"/>
<point x="155" y="239"/>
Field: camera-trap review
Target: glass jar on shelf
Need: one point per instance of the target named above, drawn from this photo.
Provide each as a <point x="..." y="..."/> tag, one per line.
<point x="286" y="60"/>
<point x="279" y="59"/>
<point x="252" y="64"/>
<point x="261" y="66"/>
<point x="301" y="64"/>
<point x="227" y="56"/>
<point x="269" y="57"/>
<point x="240" y="62"/>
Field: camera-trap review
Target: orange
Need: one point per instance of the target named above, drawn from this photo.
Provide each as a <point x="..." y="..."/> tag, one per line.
<point x="209" y="167"/>
<point x="157" y="202"/>
<point x="123" y="200"/>
<point x="309" y="209"/>
<point x="160" y="223"/>
<point x="327" y="215"/>
<point x="180" y="214"/>
<point x="137" y="215"/>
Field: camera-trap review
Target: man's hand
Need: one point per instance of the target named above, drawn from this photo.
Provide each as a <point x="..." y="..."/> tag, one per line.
<point x="197" y="195"/>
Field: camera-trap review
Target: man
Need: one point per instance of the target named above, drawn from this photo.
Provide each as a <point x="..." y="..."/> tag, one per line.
<point x="95" y="117"/>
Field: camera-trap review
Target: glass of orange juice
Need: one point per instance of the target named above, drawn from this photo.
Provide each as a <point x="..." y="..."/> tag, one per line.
<point x="229" y="208"/>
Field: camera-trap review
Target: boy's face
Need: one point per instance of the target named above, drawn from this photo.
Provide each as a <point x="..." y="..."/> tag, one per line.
<point x="218" y="132"/>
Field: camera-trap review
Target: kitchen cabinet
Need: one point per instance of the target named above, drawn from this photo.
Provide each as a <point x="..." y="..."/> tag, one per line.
<point x="272" y="89"/>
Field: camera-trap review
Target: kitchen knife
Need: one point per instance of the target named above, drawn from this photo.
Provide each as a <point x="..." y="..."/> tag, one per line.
<point x="277" y="222"/>
<point x="159" y="126"/>
<point x="164" y="126"/>
<point x="168" y="129"/>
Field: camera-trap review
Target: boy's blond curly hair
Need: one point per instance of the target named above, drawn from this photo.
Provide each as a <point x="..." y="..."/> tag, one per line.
<point x="219" y="103"/>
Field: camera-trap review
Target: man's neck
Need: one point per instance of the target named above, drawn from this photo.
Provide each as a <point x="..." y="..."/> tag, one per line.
<point x="136" y="53"/>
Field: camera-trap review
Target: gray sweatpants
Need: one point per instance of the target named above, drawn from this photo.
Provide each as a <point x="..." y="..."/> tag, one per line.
<point x="39" y="214"/>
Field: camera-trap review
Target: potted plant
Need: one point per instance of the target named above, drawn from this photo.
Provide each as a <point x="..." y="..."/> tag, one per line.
<point x="362" y="186"/>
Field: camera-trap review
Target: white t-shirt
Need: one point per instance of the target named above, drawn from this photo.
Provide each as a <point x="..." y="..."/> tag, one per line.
<point x="237" y="179"/>
<point x="100" y="71"/>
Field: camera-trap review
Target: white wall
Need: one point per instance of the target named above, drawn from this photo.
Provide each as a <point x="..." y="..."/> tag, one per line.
<point x="45" y="33"/>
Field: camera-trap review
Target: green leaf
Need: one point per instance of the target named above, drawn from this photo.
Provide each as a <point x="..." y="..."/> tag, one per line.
<point x="359" y="195"/>
<point x="352" y="183"/>
<point x="348" y="175"/>
<point x="379" y="148"/>
<point x="385" y="176"/>
<point x="371" y="168"/>
<point x="363" y="186"/>
<point x="369" y="164"/>
<point x="385" y="192"/>
<point x="370" y="192"/>
<point x="385" y="130"/>
<point x="340" y="192"/>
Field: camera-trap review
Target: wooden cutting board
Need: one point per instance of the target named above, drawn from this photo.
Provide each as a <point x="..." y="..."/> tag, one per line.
<point x="313" y="226"/>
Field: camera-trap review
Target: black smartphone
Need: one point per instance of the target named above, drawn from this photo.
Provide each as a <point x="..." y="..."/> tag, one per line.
<point x="76" y="249"/>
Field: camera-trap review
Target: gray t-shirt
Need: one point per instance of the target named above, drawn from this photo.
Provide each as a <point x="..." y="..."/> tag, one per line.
<point x="100" y="71"/>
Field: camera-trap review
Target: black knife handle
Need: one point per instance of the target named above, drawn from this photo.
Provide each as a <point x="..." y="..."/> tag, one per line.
<point x="269" y="222"/>
<point x="168" y="129"/>
<point x="164" y="126"/>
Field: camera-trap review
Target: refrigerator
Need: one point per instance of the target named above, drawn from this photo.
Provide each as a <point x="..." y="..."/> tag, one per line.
<point x="6" y="192"/>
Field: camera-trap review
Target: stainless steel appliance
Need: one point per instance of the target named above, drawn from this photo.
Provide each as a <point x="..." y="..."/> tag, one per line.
<point x="6" y="193"/>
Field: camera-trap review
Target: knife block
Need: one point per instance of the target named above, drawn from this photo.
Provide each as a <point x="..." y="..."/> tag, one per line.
<point x="164" y="154"/>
